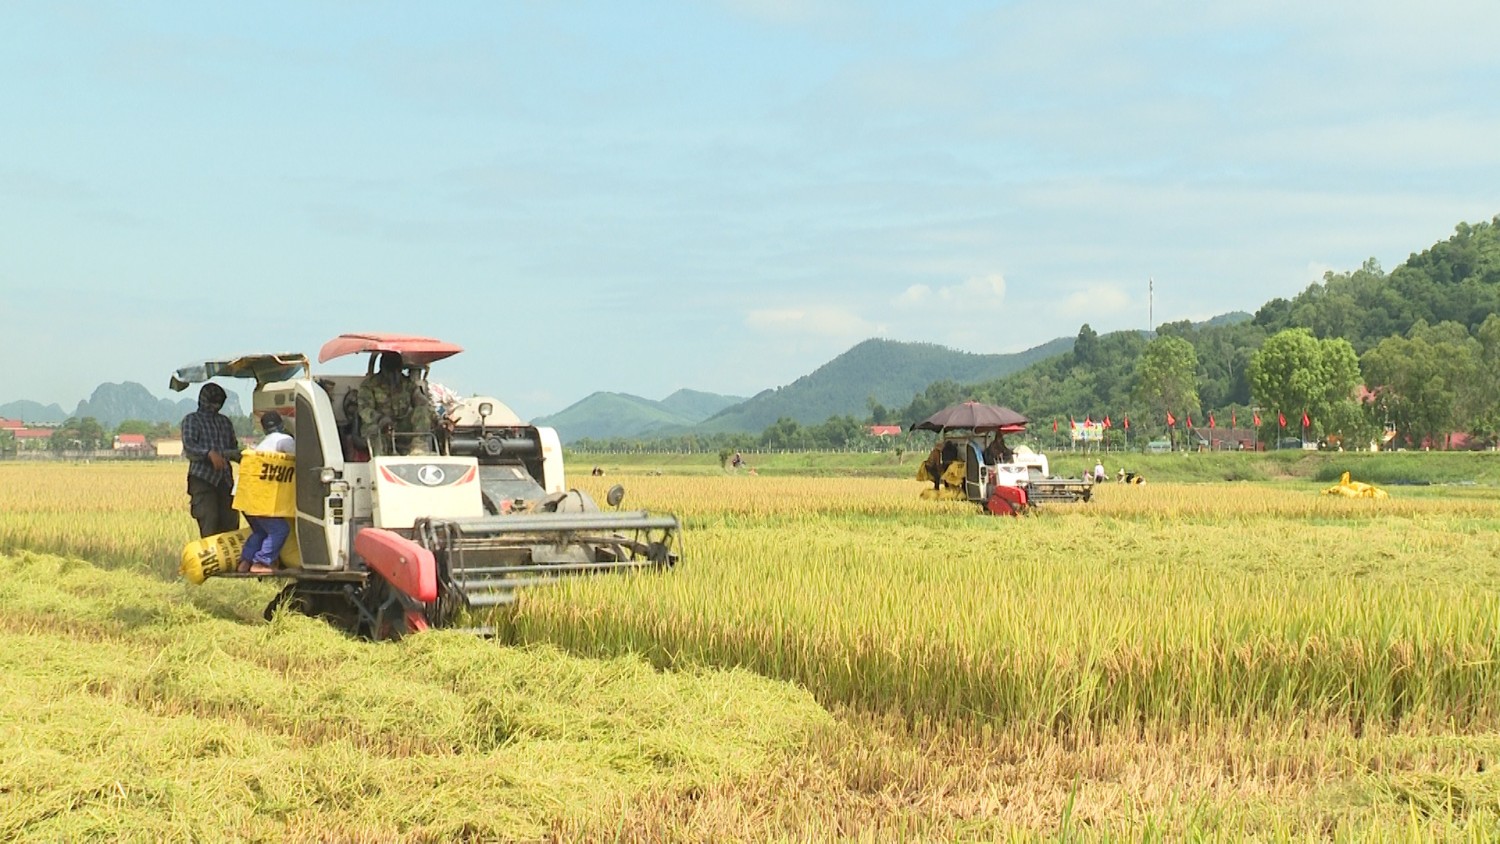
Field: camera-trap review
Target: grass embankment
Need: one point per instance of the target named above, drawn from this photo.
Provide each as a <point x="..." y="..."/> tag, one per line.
<point x="1235" y="661"/>
<point x="1397" y="468"/>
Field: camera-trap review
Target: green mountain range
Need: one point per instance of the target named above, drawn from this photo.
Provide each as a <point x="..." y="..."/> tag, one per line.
<point x="885" y="371"/>
<point x="604" y="415"/>
<point x="111" y="404"/>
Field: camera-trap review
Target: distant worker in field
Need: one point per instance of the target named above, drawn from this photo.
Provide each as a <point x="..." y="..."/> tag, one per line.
<point x="267" y="533"/>
<point x="998" y="452"/>
<point x="1099" y="474"/>
<point x="210" y="445"/>
<point x="395" y="412"/>
<point x="935" y="467"/>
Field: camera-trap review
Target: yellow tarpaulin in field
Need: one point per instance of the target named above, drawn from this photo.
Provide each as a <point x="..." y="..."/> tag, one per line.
<point x="1354" y="489"/>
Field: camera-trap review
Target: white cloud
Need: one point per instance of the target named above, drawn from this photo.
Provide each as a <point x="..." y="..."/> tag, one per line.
<point x="914" y="295"/>
<point x="978" y="293"/>
<point x="815" y="320"/>
<point x="1095" y="301"/>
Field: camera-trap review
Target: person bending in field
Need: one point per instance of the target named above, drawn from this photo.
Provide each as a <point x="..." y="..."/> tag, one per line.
<point x="267" y="533"/>
<point x="209" y="444"/>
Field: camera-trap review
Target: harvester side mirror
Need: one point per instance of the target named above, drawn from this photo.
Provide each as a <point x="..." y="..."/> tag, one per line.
<point x="615" y="495"/>
<point x="485" y="409"/>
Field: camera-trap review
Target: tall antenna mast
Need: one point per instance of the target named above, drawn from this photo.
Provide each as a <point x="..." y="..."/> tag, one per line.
<point x="1151" y="304"/>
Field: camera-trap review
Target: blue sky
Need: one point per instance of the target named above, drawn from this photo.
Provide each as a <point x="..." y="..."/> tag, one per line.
<point x="722" y="196"/>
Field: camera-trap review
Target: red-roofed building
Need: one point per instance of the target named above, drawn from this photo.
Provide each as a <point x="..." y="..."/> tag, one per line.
<point x="10" y="424"/>
<point x="33" y="439"/>
<point x="131" y="443"/>
<point x="885" y="430"/>
<point x="1231" y="439"/>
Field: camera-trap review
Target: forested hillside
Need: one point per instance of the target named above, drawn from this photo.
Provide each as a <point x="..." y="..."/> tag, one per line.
<point x="868" y="378"/>
<point x="1416" y="351"/>
<point x="1457" y="280"/>
<point x="604" y="415"/>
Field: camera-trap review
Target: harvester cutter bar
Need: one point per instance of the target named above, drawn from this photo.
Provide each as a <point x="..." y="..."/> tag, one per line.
<point x="486" y="560"/>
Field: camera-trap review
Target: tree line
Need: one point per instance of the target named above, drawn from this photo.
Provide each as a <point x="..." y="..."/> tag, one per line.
<point x="87" y="434"/>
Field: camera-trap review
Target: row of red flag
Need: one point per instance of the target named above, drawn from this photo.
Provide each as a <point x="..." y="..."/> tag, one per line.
<point x="1172" y="421"/>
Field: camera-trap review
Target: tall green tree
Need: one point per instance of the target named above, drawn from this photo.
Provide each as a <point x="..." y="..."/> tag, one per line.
<point x="1086" y="346"/>
<point x="1484" y="387"/>
<point x="84" y="434"/>
<point x="1166" y="377"/>
<point x="786" y="433"/>
<point x="1295" y="373"/>
<point x="138" y="426"/>
<point x="1420" y="380"/>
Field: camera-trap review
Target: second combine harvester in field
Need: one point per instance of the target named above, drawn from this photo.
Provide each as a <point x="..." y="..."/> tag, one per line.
<point x="459" y="518"/>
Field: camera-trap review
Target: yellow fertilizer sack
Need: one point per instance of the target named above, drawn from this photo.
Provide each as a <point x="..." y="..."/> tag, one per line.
<point x="266" y="486"/>
<point x="1354" y="489"/>
<point x="220" y="554"/>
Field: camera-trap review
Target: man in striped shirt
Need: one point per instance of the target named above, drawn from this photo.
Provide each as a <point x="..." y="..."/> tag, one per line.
<point x="209" y="443"/>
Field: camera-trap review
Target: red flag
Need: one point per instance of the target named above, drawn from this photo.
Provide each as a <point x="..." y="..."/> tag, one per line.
<point x="1190" y="420"/>
<point x="1171" y="420"/>
<point x="1054" y="426"/>
<point x="1210" y="420"/>
<point x="1072" y="423"/>
<point x="1232" y="424"/>
<point x="1305" y="421"/>
<point x="1127" y="422"/>
<point x="1088" y="421"/>
<point x="1281" y="417"/>
<point x="1257" y="419"/>
<point x="1106" y="422"/>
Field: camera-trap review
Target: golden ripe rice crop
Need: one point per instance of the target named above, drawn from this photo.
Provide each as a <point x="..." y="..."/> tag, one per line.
<point x="1172" y="602"/>
<point x="1170" y="614"/>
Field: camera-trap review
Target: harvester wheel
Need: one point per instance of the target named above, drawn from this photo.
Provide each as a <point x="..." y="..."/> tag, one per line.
<point x="333" y="608"/>
<point x="391" y="619"/>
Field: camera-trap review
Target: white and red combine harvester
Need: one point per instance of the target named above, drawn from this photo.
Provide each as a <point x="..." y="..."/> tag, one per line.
<point x="971" y="457"/>
<point x="400" y="543"/>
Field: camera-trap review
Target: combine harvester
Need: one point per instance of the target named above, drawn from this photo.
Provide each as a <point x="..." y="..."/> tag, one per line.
<point x="971" y="461"/>
<point x="387" y="545"/>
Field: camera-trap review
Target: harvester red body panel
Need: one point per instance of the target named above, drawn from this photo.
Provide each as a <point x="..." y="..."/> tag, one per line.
<point x="1006" y="501"/>
<point x="404" y="564"/>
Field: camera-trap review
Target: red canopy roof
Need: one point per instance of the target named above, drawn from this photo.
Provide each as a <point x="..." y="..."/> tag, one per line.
<point x="419" y="351"/>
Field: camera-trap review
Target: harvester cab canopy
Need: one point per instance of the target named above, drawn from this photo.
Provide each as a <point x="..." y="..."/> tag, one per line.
<point x="414" y="351"/>
<point x="264" y="368"/>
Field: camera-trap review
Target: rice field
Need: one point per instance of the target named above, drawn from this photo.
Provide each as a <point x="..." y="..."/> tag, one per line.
<point x="834" y="660"/>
